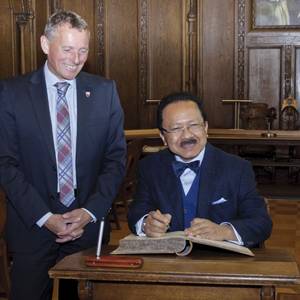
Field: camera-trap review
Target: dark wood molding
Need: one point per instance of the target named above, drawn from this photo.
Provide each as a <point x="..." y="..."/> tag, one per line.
<point x="287" y="50"/>
<point x="143" y="50"/>
<point x="55" y="5"/>
<point x="24" y="37"/>
<point x="240" y="63"/>
<point x="22" y="18"/>
<point x="199" y="64"/>
<point x="100" y="37"/>
<point x="192" y="45"/>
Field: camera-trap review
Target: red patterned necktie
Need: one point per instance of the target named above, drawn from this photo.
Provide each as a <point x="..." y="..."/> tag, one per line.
<point x="64" y="146"/>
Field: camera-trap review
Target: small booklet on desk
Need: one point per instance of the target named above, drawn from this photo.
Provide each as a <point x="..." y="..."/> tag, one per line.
<point x="172" y="242"/>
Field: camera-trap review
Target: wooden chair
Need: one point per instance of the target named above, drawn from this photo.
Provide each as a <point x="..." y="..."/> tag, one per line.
<point x="134" y="152"/>
<point x="4" y="269"/>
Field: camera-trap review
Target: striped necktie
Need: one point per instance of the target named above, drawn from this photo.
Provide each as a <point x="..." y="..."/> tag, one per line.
<point x="64" y="146"/>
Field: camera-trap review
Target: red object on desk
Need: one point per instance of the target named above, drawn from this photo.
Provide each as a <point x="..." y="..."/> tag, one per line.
<point x="111" y="261"/>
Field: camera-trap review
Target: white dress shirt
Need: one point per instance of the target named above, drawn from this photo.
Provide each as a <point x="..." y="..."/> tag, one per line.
<point x="71" y="97"/>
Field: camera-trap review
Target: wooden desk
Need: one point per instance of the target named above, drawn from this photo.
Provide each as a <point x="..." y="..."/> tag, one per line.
<point x="241" y="136"/>
<point x="282" y="151"/>
<point x="254" y="137"/>
<point x="201" y="275"/>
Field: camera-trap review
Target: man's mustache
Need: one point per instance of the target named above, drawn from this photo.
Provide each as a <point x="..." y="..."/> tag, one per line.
<point x="190" y="141"/>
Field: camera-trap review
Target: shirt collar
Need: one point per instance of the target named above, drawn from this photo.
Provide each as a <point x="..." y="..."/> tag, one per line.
<point x="51" y="79"/>
<point x="198" y="157"/>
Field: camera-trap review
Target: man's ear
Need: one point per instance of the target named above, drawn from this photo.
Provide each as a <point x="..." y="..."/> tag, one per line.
<point x="44" y="44"/>
<point x="206" y="127"/>
<point x="163" y="138"/>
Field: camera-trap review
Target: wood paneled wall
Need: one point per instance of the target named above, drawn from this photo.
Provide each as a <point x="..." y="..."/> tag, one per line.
<point x="154" y="47"/>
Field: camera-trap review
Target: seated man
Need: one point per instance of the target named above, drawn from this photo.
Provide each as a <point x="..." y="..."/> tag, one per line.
<point x="195" y="187"/>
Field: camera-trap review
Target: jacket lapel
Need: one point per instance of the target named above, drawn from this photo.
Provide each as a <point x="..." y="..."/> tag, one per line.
<point x="207" y="181"/>
<point x="172" y="190"/>
<point x="39" y="99"/>
<point x="84" y="96"/>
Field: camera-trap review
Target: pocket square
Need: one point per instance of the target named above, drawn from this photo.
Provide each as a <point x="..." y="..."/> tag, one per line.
<point x="221" y="200"/>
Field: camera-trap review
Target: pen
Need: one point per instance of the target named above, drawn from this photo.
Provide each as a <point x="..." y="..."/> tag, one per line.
<point x="100" y="239"/>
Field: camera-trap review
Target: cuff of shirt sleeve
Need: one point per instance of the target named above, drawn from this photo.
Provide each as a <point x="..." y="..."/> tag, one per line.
<point x="139" y="226"/>
<point x="44" y="219"/>
<point x="238" y="237"/>
<point x="94" y="219"/>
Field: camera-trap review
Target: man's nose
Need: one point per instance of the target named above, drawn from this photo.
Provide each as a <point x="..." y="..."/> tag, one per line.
<point x="186" y="131"/>
<point x="76" y="58"/>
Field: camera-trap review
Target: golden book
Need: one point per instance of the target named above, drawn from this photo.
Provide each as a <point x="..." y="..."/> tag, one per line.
<point x="172" y="242"/>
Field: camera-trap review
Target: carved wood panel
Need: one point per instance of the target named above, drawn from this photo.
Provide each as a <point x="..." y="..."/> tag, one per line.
<point x="121" y="54"/>
<point x="265" y="76"/>
<point x="217" y="64"/>
<point x="7" y="57"/>
<point x="162" y="45"/>
<point x="297" y="74"/>
<point x="18" y="52"/>
<point x="269" y="61"/>
<point x="154" y="47"/>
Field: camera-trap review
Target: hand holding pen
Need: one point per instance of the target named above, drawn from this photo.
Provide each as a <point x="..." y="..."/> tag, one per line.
<point x="156" y="223"/>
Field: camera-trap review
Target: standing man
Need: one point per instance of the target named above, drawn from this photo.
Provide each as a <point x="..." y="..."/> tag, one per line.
<point x="194" y="186"/>
<point x="62" y="156"/>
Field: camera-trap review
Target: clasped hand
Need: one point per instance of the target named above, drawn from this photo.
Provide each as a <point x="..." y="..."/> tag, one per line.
<point x="68" y="226"/>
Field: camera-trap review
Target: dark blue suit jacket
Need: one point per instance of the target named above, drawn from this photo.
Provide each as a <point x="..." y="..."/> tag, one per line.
<point x="28" y="170"/>
<point x="227" y="193"/>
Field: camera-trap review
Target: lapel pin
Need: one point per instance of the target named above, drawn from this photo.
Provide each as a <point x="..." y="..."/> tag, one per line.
<point x="87" y="94"/>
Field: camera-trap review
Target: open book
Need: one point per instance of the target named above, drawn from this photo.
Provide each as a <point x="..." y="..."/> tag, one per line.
<point x="172" y="242"/>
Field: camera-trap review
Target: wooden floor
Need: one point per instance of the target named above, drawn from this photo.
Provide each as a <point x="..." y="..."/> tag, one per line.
<point x="286" y="234"/>
<point x="286" y="225"/>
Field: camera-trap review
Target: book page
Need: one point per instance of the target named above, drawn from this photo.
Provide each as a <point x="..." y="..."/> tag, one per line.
<point x="172" y="242"/>
<point x="218" y="244"/>
<point x="222" y="245"/>
<point x="133" y="244"/>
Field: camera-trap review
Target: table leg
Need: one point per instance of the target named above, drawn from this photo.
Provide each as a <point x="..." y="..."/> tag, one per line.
<point x="55" y="289"/>
<point x="267" y="293"/>
<point x="238" y="114"/>
<point x="85" y="290"/>
<point x="235" y="116"/>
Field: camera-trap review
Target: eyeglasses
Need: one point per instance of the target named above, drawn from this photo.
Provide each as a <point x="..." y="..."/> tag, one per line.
<point x="193" y="128"/>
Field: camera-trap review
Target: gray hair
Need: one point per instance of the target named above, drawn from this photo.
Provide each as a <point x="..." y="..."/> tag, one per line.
<point x="62" y="17"/>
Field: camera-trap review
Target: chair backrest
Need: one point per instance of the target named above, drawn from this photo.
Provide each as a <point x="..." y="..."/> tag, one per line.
<point x="127" y="188"/>
<point x="134" y="152"/>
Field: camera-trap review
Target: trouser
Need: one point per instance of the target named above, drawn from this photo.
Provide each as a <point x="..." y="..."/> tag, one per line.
<point x="29" y="273"/>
